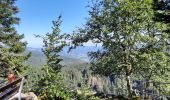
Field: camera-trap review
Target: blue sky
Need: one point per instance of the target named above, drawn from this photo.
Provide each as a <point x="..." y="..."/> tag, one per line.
<point x="36" y="17"/>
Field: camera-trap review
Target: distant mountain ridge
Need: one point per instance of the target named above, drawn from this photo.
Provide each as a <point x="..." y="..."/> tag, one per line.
<point x="78" y="55"/>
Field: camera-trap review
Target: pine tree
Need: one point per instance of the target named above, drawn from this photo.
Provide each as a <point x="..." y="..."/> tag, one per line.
<point x="11" y="46"/>
<point x="51" y="83"/>
<point x="133" y="44"/>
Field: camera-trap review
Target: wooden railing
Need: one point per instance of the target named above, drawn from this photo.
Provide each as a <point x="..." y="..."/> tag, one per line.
<point x="11" y="89"/>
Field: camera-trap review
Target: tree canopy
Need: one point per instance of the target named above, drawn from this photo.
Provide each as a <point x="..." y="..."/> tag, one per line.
<point x="51" y="83"/>
<point x="11" y="44"/>
<point x="133" y="43"/>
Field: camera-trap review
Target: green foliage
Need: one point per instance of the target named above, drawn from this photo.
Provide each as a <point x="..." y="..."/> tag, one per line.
<point x="133" y="43"/>
<point x="32" y="79"/>
<point x="50" y="83"/>
<point x="85" y="93"/>
<point x="51" y="86"/>
<point x="162" y="10"/>
<point x="11" y="45"/>
<point x="53" y="44"/>
<point x="71" y="76"/>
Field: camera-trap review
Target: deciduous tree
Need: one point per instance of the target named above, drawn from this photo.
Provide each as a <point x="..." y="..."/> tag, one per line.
<point x="133" y="43"/>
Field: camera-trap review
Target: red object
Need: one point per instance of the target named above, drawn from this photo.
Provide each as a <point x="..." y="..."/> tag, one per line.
<point x="11" y="77"/>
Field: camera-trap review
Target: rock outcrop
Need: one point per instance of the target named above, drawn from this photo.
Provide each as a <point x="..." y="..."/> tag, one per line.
<point x="26" y="96"/>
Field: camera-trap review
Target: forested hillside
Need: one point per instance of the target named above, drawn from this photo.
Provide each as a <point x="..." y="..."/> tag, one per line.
<point x="129" y="59"/>
<point x="75" y="57"/>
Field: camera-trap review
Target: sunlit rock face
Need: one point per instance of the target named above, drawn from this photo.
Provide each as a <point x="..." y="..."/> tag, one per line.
<point x="96" y="83"/>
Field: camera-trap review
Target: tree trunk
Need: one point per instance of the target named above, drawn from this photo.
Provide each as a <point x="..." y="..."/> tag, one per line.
<point x="129" y="86"/>
<point x="128" y="82"/>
